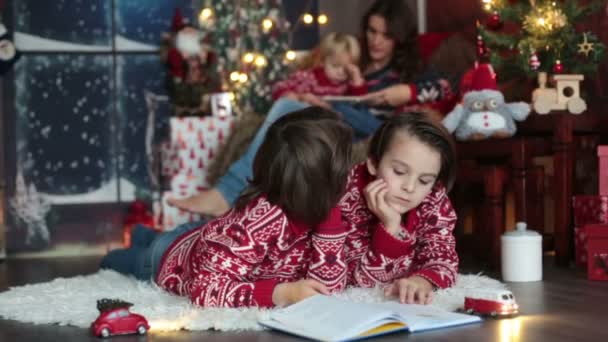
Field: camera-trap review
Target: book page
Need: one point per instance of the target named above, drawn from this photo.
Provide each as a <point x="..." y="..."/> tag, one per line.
<point x="425" y="317"/>
<point x="328" y="318"/>
<point x="344" y="98"/>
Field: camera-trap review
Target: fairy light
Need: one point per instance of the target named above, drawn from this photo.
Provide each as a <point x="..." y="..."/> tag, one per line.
<point x="308" y="18"/>
<point x="231" y="96"/>
<point x="322" y="19"/>
<point x="267" y="25"/>
<point x="290" y="55"/>
<point x="205" y="14"/>
<point x="260" y="61"/>
<point x="248" y="57"/>
<point x="234" y="76"/>
<point x="243" y="78"/>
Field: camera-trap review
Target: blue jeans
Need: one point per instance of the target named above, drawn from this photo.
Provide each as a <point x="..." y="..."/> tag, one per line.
<point x="235" y="180"/>
<point x="142" y="259"/>
<point x="359" y="117"/>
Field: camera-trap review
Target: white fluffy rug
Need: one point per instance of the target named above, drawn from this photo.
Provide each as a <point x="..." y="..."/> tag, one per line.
<point x="72" y="301"/>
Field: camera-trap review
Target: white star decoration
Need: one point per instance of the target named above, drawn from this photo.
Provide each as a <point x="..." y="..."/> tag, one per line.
<point x="585" y="47"/>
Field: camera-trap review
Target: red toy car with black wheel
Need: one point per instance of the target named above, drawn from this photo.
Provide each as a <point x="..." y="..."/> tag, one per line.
<point x="116" y="319"/>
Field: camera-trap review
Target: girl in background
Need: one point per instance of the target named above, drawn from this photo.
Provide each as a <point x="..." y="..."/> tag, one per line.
<point x="337" y="73"/>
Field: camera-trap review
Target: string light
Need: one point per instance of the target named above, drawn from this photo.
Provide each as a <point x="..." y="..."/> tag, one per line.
<point x="267" y="25"/>
<point x="290" y="55"/>
<point x="248" y="57"/>
<point x="322" y="19"/>
<point x="231" y="96"/>
<point x="205" y="14"/>
<point x="234" y="76"/>
<point x="308" y="18"/>
<point x="243" y="78"/>
<point x="260" y="61"/>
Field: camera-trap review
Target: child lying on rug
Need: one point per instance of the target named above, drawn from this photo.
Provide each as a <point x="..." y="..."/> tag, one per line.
<point x="400" y="217"/>
<point x="284" y="240"/>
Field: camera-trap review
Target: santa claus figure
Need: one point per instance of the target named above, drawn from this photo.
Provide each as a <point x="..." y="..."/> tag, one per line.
<point x="191" y="69"/>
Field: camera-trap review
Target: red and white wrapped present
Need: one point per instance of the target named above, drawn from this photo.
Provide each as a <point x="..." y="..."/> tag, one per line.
<point x="193" y="143"/>
<point x="597" y="251"/>
<point x="590" y="209"/>
<point x="602" y="154"/>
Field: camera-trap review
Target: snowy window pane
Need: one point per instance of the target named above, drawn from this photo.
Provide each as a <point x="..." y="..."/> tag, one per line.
<point x="65" y="139"/>
<point x="137" y="74"/>
<point x="140" y="23"/>
<point x="63" y="25"/>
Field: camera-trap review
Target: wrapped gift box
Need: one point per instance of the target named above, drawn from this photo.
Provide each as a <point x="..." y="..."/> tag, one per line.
<point x="193" y="143"/>
<point x="185" y="157"/>
<point x="602" y="154"/>
<point x="597" y="251"/>
<point x="590" y="209"/>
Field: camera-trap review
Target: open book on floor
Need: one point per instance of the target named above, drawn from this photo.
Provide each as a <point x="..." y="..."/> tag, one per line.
<point x="327" y="318"/>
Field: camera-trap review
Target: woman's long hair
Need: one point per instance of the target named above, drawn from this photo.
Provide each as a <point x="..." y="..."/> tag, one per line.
<point x="401" y="27"/>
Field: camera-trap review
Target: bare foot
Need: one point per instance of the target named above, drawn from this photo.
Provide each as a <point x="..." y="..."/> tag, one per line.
<point x="210" y="202"/>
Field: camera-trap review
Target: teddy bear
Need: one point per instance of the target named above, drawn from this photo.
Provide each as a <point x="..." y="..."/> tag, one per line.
<point x="483" y="112"/>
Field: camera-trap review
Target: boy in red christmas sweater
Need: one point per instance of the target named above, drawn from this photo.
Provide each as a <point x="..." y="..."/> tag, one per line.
<point x="337" y="75"/>
<point x="400" y="217"/>
<point x="283" y="241"/>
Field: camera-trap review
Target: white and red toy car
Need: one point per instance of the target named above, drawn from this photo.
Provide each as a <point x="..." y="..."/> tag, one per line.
<point x="490" y="302"/>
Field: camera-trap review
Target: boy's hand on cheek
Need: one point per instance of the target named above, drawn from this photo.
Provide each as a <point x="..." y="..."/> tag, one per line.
<point x="375" y="197"/>
<point x="412" y="290"/>
<point x="285" y="294"/>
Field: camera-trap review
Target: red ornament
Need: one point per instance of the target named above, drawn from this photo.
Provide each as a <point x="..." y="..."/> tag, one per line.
<point x="138" y="214"/>
<point x="494" y="22"/>
<point x="558" y="68"/>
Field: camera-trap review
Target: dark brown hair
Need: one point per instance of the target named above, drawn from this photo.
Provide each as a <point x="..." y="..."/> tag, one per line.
<point x="426" y="129"/>
<point x="302" y="165"/>
<point x="401" y="27"/>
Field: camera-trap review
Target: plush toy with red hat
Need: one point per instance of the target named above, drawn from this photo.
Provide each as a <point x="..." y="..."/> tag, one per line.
<point x="483" y="112"/>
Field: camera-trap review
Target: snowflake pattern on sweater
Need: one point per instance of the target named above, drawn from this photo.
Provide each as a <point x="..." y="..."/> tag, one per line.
<point x="237" y="259"/>
<point x="427" y="246"/>
<point x="316" y="82"/>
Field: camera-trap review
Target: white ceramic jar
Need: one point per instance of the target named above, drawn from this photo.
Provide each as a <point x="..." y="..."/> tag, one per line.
<point x="521" y="255"/>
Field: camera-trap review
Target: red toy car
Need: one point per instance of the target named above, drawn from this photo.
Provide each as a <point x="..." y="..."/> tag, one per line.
<point x="490" y="302"/>
<point x="116" y="319"/>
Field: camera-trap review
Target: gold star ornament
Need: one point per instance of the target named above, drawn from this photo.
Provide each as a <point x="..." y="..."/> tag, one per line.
<point x="585" y="47"/>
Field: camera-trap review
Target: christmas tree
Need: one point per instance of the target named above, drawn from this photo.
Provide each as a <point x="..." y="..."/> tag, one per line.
<point x="251" y="40"/>
<point x="546" y="38"/>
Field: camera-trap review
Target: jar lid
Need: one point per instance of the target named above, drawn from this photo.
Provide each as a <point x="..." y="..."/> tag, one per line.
<point x="521" y="231"/>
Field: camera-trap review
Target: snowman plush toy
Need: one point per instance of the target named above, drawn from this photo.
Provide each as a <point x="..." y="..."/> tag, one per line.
<point x="483" y="112"/>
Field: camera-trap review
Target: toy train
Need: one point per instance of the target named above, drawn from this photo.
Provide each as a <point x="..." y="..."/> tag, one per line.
<point x="565" y="96"/>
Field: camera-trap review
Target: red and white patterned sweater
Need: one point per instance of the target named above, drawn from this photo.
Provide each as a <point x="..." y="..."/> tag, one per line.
<point x="316" y="82"/>
<point x="374" y="256"/>
<point x="237" y="259"/>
